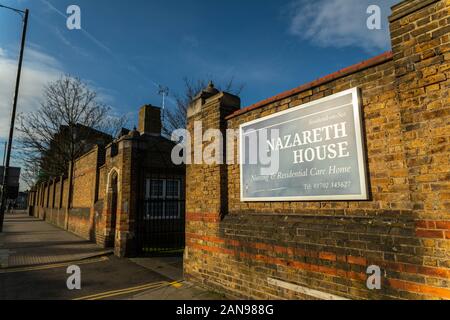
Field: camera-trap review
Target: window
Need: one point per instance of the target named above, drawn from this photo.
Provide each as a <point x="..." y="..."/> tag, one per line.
<point x="173" y="189"/>
<point x="156" y="189"/>
<point x="162" y="199"/>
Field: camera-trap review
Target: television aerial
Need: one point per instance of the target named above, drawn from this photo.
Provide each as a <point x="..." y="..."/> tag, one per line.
<point x="164" y="92"/>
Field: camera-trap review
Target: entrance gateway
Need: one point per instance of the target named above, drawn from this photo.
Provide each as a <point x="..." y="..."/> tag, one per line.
<point x="317" y="149"/>
<point x="161" y="213"/>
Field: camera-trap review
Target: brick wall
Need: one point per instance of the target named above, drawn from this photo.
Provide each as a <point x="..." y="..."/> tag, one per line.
<point x="68" y="202"/>
<point x="82" y="204"/>
<point x="84" y="177"/>
<point x="237" y="247"/>
<point x="47" y="201"/>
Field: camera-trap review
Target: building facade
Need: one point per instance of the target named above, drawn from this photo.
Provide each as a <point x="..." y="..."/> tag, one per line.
<point x="323" y="249"/>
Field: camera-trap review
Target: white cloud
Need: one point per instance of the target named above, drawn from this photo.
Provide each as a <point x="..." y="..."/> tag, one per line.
<point x="38" y="69"/>
<point x="340" y="23"/>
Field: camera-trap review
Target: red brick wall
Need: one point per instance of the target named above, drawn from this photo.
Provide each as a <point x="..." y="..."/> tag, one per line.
<point x="102" y="183"/>
<point x="235" y="246"/>
<point x="77" y="213"/>
<point x="80" y="222"/>
<point x="54" y="210"/>
<point x="84" y="177"/>
<point x="58" y="194"/>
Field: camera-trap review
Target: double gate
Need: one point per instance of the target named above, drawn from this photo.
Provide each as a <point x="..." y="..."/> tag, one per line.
<point x="160" y="225"/>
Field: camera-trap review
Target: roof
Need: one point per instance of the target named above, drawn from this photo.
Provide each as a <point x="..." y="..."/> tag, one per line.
<point x="382" y="58"/>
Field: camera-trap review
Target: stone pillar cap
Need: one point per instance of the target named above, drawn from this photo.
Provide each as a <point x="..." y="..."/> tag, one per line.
<point x="209" y="91"/>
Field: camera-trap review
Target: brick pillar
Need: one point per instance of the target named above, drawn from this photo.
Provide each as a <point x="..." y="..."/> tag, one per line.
<point x="206" y="185"/>
<point x="32" y="201"/>
<point x="150" y="120"/>
<point x="94" y="196"/>
<point x="420" y="42"/>
<point x="37" y="202"/>
<point x="54" y="192"/>
<point x="61" y="192"/>
<point x="125" y="241"/>
<point x="41" y="199"/>
<point x="68" y="198"/>
<point x="47" y="200"/>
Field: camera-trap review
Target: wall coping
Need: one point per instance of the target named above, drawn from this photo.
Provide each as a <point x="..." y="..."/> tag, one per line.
<point x="380" y="59"/>
<point x="94" y="148"/>
<point x="407" y="7"/>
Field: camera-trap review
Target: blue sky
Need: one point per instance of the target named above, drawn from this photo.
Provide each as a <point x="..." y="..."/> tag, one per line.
<point x="127" y="48"/>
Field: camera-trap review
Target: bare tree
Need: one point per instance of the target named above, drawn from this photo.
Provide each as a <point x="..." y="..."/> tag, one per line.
<point x="69" y="121"/>
<point x="175" y="118"/>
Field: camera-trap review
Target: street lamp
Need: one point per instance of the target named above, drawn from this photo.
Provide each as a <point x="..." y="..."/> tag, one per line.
<point x="24" y="15"/>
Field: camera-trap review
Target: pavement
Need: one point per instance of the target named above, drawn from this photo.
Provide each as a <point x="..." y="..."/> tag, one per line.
<point x="34" y="261"/>
<point x="27" y="241"/>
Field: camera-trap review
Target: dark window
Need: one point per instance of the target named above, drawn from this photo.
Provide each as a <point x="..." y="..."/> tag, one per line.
<point x="163" y="199"/>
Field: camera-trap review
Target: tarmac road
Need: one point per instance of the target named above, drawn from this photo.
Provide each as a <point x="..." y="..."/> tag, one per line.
<point x="104" y="275"/>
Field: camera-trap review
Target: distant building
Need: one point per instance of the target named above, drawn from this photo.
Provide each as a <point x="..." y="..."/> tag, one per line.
<point x="77" y="137"/>
<point x="13" y="182"/>
<point x="21" y="203"/>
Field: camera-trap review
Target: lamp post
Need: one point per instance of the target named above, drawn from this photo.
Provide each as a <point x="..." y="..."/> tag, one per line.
<point x="4" y="196"/>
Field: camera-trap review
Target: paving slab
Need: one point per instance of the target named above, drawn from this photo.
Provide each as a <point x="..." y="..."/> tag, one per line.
<point x="170" y="267"/>
<point x="28" y="241"/>
<point x="182" y="291"/>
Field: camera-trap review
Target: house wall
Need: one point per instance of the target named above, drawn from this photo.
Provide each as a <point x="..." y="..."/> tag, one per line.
<point x="309" y="250"/>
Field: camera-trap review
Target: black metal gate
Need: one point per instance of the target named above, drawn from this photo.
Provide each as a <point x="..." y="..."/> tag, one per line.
<point x="161" y="214"/>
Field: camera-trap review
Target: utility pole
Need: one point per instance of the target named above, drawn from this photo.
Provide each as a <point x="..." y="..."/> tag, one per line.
<point x="3" y="169"/>
<point x="4" y="154"/>
<point x="13" y="115"/>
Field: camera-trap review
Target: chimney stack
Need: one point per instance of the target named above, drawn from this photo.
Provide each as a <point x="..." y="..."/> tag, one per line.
<point x="150" y="120"/>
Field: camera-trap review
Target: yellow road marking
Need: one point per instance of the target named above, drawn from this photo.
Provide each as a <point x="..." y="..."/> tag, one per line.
<point x="121" y="290"/>
<point x="53" y="266"/>
<point x="114" y="293"/>
<point x="121" y="293"/>
<point x="177" y="285"/>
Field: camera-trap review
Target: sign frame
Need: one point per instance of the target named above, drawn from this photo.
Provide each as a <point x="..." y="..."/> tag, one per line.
<point x="360" y="146"/>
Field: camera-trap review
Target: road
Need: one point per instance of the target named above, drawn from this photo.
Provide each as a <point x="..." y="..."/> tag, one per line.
<point x="98" y="276"/>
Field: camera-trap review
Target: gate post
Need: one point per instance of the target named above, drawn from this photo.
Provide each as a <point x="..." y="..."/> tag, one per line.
<point x="206" y="185"/>
<point x="125" y="238"/>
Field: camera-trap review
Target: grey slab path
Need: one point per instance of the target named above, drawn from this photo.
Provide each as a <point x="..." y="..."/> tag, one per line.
<point x="185" y="291"/>
<point x="172" y="268"/>
<point x="28" y="241"/>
